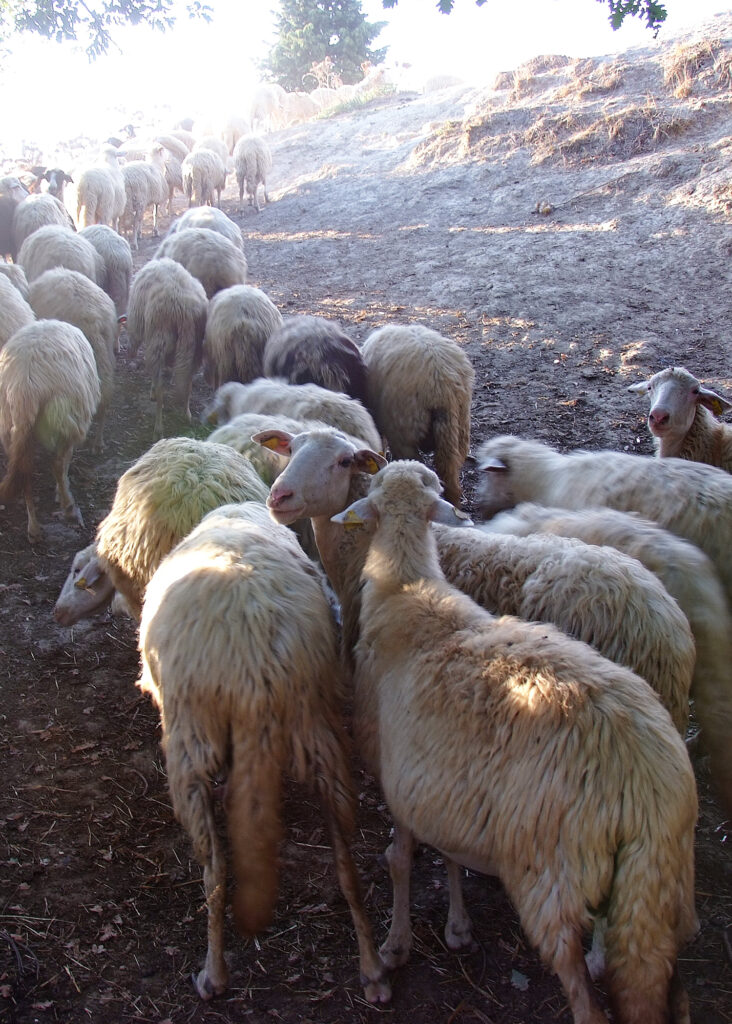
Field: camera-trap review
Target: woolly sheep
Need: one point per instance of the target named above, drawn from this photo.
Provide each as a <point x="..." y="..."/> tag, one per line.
<point x="167" y="316"/>
<point x="14" y="273"/>
<point x="158" y="501"/>
<point x="14" y="310"/>
<point x="238" y="434"/>
<point x="312" y="350"/>
<point x="49" y="391"/>
<point x="12" y="192"/>
<point x="681" y="418"/>
<point x="208" y="256"/>
<point x="173" y="177"/>
<point x="689" y="577"/>
<point x="204" y="173"/>
<point x="301" y="401"/>
<point x="232" y="130"/>
<point x="37" y="211"/>
<point x="420" y="386"/>
<point x="174" y="145"/>
<point x="145" y="185"/>
<point x="100" y="191"/>
<point x="238" y="651"/>
<point x="56" y="246"/>
<point x="298" y="107"/>
<point x="266" y="105"/>
<point x="66" y="295"/>
<point x="116" y="257"/>
<point x="252" y="163"/>
<point x="689" y="499"/>
<point x="512" y="749"/>
<point x="213" y="219"/>
<point x="240" y="321"/>
<point x="215" y="144"/>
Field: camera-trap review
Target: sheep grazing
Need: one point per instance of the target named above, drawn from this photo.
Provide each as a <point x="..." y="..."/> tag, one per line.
<point x="420" y="386"/>
<point x="681" y="418"/>
<point x="14" y="310"/>
<point x="49" y="392"/>
<point x="167" y="316"/>
<point x="237" y="433"/>
<point x="66" y="295"/>
<point x="312" y="350"/>
<point x="239" y="652"/>
<point x="485" y="734"/>
<point x="689" y="577"/>
<point x="14" y="273"/>
<point x="100" y="191"/>
<point x="209" y="217"/>
<point x="208" y="256"/>
<point x="301" y="402"/>
<point x="158" y="501"/>
<point x="57" y="246"/>
<point x="37" y="211"/>
<point x="240" y="321"/>
<point x="116" y="257"/>
<point x="252" y="163"/>
<point x="145" y="186"/>
<point x="204" y="173"/>
<point x="691" y="500"/>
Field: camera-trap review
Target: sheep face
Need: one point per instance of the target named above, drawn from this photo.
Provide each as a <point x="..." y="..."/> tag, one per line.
<point x="86" y="590"/>
<point x="675" y="395"/>
<point x="495" y="492"/>
<point x="406" y="483"/>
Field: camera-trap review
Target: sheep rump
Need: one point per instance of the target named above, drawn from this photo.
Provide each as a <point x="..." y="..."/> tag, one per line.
<point x="208" y="255"/>
<point x="240" y="321"/>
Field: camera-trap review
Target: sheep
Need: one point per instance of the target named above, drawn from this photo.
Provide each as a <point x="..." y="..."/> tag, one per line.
<point x="12" y="192"/>
<point x="116" y="257"/>
<point x="689" y="577"/>
<point x="209" y="217"/>
<point x="158" y="501"/>
<point x="216" y="145"/>
<point x="145" y="185"/>
<point x="312" y="350"/>
<point x="174" y="145"/>
<point x="208" y="256"/>
<point x="240" y="321"/>
<point x="173" y="177"/>
<point x="252" y="163"/>
<point x="15" y="274"/>
<point x="513" y="749"/>
<point x="266" y="105"/>
<point x="184" y="135"/>
<point x="232" y="130"/>
<point x="100" y="191"/>
<point x="681" y="418"/>
<point x="420" y="386"/>
<point x="37" y="211"/>
<point x="57" y="179"/>
<point x="49" y="391"/>
<point x="204" y="172"/>
<point x="56" y="246"/>
<point x="238" y="651"/>
<point x="298" y="107"/>
<point x="691" y="500"/>
<point x="238" y="434"/>
<point x="14" y="310"/>
<point x="301" y="401"/>
<point x="167" y="316"/>
<point x="66" y="295"/>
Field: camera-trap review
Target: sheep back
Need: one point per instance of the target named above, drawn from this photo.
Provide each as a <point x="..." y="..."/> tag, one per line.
<point x="208" y="256"/>
<point x="312" y="350"/>
<point x="55" y="246"/>
<point x="240" y="321"/>
<point x="116" y="256"/>
<point x="14" y="310"/>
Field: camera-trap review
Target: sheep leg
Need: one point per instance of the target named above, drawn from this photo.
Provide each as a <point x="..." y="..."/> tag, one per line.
<point x="155" y="220"/>
<point x="571" y="969"/>
<point x="595" y="959"/>
<point x="158" y="388"/>
<point x="61" y="465"/>
<point x="214" y="977"/>
<point x="35" y="533"/>
<point x="373" y="973"/>
<point x="398" y="945"/>
<point x="458" y="929"/>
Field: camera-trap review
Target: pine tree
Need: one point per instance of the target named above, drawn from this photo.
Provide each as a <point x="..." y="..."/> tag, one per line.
<point x="312" y="31"/>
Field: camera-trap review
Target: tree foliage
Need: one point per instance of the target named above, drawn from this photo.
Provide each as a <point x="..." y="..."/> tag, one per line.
<point x="654" y="13"/>
<point x="90" y="20"/>
<point x="313" y="31"/>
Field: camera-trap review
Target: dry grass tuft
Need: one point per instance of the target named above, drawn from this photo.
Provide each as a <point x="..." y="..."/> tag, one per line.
<point x="687" y="62"/>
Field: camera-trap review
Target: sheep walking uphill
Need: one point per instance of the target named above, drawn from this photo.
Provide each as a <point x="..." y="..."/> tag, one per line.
<point x="252" y="163"/>
<point x="512" y="748"/>
<point x="49" y="392"/>
<point x="240" y="321"/>
<point x="116" y="257"/>
<point x="313" y="350"/>
<point x="37" y="211"/>
<point x="14" y="310"/>
<point x="420" y="386"/>
<point x="239" y="653"/>
<point x="204" y="174"/>
<point x="208" y="217"/>
<point x="681" y="418"/>
<point x="208" y="255"/>
<point x="56" y="246"/>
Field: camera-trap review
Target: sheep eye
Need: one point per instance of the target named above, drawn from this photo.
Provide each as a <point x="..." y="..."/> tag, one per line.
<point x="695" y="391"/>
<point x="346" y="461"/>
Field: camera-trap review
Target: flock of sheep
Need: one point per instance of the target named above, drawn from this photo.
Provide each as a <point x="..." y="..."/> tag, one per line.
<point x="521" y="687"/>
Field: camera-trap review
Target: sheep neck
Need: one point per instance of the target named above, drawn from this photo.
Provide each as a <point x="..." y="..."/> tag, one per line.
<point x="401" y="554"/>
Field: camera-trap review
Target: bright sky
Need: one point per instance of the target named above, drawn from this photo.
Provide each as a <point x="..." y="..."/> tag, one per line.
<point x="198" y="67"/>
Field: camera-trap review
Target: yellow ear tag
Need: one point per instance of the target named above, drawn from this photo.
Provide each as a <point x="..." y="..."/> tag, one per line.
<point x="352" y="520"/>
<point x="371" y="466"/>
<point x="81" y="583"/>
<point x="271" y="442"/>
<point x="459" y="514"/>
<point x="717" y="407"/>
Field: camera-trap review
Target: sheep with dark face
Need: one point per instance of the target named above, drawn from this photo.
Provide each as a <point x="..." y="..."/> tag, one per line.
<point x="312" y="350"/>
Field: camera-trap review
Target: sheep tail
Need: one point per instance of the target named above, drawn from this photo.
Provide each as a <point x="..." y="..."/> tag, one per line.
<point x="20" y="462"/>
<point x="253" y="810"/>
<point x="448" y="458"/>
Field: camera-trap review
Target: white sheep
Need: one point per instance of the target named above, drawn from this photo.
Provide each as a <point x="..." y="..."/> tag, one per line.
<point x="515" y="750"/>
<point x="204" y="173"/>
<point x="240" y="321"/>
<point x="313" y="350"/>
<point x="173" y="177"/>
<point x="167" y="316"/>
<point x="14" y="310"/>
<point x="232" y="130"/>
<point x="145" y="186"/>
<point x="300" y="401"/>
<point x="14" y="273"/>
<point x="420" y="386"/>
<point x="49" y="392"/>
<point x="37" y="211"/>
<point x="689" y="499"/>
<point x="681" y="418"/>
<point x="252" y="163"/>
<point x="116" y="256"/>
<point x="12" y="192"/>
<point x="239" y="652"/>
<point x="56" y="246"/>
<point x="213" y="219"/>
<point x="689" y="577"/>
<point x="298" y="107"/>
<point x="216" y="145"/>
<point x="237" y="433"/>
<point x="208" y="256"/>
<point x="265" y="111"/>
<point x="158" y="501"/>
<point x="61" y="294"/>
<point x="100" y="191"/>
<point x="174" y="145"/>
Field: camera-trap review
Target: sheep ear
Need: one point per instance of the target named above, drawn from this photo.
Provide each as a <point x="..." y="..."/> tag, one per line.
<point x="493" y="465"/>
<point x="276" y="440"/>
<point x="714" y="402"/>
<point x="368" y="461"/>
<point x="444" y="512"/>
<point x="357" y="514"/>
<point x="640" y="388"/>
<point x="92" y="573"/>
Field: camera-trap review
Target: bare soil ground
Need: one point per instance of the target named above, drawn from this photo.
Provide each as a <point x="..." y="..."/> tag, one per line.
<point x="572" y="230"/>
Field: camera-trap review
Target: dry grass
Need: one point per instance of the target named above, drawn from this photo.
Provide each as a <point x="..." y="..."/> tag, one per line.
<point x="592" y="81"/>
<point x="687" y="62"/>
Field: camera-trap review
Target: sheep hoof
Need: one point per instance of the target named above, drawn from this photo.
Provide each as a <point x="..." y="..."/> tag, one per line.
<point x="394" y="956"/>
<point x="377" y="990"/>
<point x="35" y="534"/>
<point x="205" y="986"/>
<point x="458" y="935"/>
